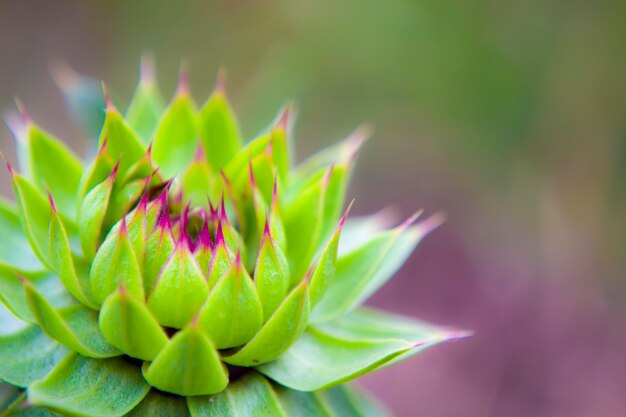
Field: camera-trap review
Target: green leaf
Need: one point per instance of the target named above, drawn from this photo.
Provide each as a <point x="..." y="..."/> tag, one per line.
<point x="33" y="412"/>
<point x="353" y="345"/>
<point x="115" y="263"/>
<point x="232" y="314"/>
<point x="147" y="105"/>
<point x="279" y="333"/>
<point x="251" y="395"/>
<point x="302" y="404"/>
<point x="197" y="180"/>
<point x="159" y="249"/>
<point x="159" y="404"/>
<point x="361" y="229"/>
<point x="97" y="171"/>
<point x="26" y="353"/>
<point x="346" y="401"/>
<point x="364" y="270"/>
<point x="75" y="326"/>
<point x="188" y="365"/>
<point x="48" y="163"/>
<point x="91" y="215"/>
<point x="271" y="275"/>
<point x="128" y="325"/>
<point x="34" y="213"/>
<point x="218" y="128"/>
<point x="88" y="387"/>
<point x="63" y="261"/>
<point x="15" y="249"/>
<point x="122" y="142"/>
<point x="180" y="289"/>
<point x="175" y="138"/>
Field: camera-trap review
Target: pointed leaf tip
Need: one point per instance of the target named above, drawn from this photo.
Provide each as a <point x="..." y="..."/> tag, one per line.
<point x="147" y="69"/>
<point x="107" y="98"/>
<point x="220" y="82"/>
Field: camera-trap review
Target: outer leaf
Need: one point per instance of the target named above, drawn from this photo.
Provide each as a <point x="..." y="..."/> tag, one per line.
<point x="75" y="327"/>
<point x="251" y="395"/>
<point x="302" y="404"/>
<point x="33" y="412"/>
<point x="175" y="136"/>
<point x="232" y="314"/>
<point x="159" y="404"/>
<point x="26" y="353"/>
<point x="180" y="290"/>
<point x="361" y="229"/>
<point x="271" y="275"/>
<point x="219" y="132"/>
<point x="91" y="216"/>
<point x="34" y="212"/>
<point x="346" y="401"/>
<point x="122" y="142"/>
<point x="63" y="262"/>
<point x="279" y="333"/>
<point x="146" y="106"/>
<point x="360" y="342"/>
<point x="189" y="365"/>
<point x="14" y="247"/>
<point x="363" y="271"/>
<point x="129" y="326"/>
<point x="87" y="387"/>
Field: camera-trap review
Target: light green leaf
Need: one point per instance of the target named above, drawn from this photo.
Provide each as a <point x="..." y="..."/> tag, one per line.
<point x="160" y="404"/>
<point x="180" y="289"/>
<point x="364" y="270"/>
<point x="26" y="353"/>
<point x="302" y="404"/>
<point x="353" y="345"/>
<point x="279" y="333"/>
<point x="115" y="263"/>
<point x="175" y="137"/>
<point x="128" y="325"/>
<point x="63" y="262"/>
<point x="122" y="142"/>
<point x="33" y="412"/>
<point x="350" y="402"/>
<point x="159" y="248"/>
<point x="188" y="365"/>
<point x="75" y="326"/>
<point x="361" y="229"/>
<point x="88" y="387"/>
<point x="232" y="314"/>
<point x="147" y="105"/>
<point x="34" y="213"/>
<point x="197" y="181"/>
<point x="15" y="249"/>
<point x="91" y="215"/>
<point x="251" y="395"/>
<point x="271" y="275"/>
<point x="219" y="131"/>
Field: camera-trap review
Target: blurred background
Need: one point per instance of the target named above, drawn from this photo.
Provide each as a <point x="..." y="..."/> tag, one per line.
<point x="509" y="116"/>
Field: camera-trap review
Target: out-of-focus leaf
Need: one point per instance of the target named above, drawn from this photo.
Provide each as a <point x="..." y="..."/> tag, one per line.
<point x="26" y="353"/>
<point x="160" y="404"/>
<point x="218" y="129"/>
<point x="122" y="142"/>
<point x="15" y="249"/>
<point x="361" y="229"/>
<point x="302" y="404"/>
<point x="251" y="395"/>
<point x="34" y="213"/>
<point x="347" y="401"/>
<point x="33" y="412"/>
<point x="188" y="365"/>
<point x="357" y="343"/>
<point x="84" y="386"/>
<point x="128" y="325"/>
<point x="279" y="333"/>
<point x="175" y="137"/>
<point x="363" y="271"/>
<point x="147" y="105"/>
<point x="75" y="326"/>
<point x="232" y="314"/>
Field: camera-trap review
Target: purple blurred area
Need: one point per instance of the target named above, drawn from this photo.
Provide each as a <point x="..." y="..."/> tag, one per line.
<point x="508" y="116"/>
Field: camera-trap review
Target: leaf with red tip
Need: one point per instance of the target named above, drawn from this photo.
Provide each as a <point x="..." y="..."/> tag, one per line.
<point x="62" y="259"/>
<point x="282" y="330"/>
<point x="97" y="171"/>
<point x="115" y="263"/>
<point x="91" y="215"/>
<point x="351" y="346"/>
<point x="175" y="137"/>
<point x="220" y="261"/>
<point x="218" y="129"/>
<point x="197" y="180"/>
<point x="197" y="367"/>
<point x="147" y="105"/>
<point x="363" y="271"/>
<point x="34" y="213"/>
<point x="122" y="142"/>
<point x="180" y="289"/>
<point x="159" y="248"/>
<point x="232" y="314"/>
<point x="204" y="249"/>
<point x="271" y="275"/>
<point x="127" y="324"/>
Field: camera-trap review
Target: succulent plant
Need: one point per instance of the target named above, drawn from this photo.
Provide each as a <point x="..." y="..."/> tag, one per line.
<point x="183" y="272"/>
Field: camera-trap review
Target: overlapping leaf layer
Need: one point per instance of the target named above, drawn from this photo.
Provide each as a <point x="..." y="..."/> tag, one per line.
<point x="185" y="272"/>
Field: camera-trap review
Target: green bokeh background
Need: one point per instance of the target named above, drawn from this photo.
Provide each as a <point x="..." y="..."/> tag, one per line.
<point x="509" y="116"/>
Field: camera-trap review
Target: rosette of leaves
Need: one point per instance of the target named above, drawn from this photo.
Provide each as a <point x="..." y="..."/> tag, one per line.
<point x="183" y="271"/>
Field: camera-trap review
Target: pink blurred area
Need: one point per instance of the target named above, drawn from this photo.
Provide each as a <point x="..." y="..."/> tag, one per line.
<point x="509" y="117"/>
